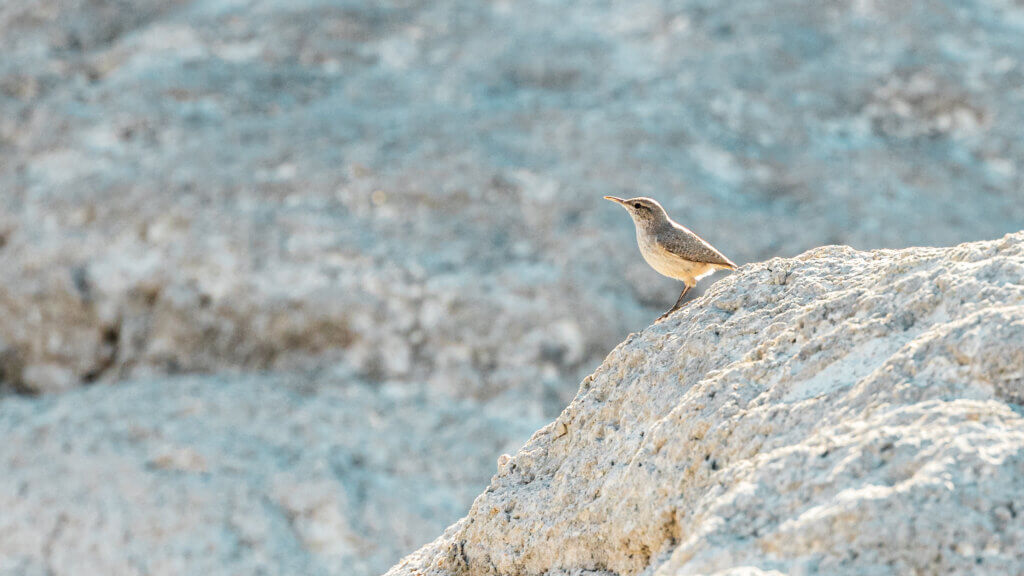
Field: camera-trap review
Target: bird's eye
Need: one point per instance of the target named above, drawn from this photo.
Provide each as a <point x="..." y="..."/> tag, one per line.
<point x="638" y="205"/>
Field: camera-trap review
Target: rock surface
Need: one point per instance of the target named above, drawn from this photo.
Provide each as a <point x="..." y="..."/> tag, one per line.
<point x="411" y="190"/>
<point x="277" y="474"/>
<point x="414" y="187"/>
<point x="841" y="412"/>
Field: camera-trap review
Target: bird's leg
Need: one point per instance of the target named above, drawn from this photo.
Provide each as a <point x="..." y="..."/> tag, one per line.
<point x="679" y="302"/>
<point x="678" y="305"/>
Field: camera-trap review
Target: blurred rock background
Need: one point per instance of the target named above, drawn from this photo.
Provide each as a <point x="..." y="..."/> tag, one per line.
<point x="383" y="220"/>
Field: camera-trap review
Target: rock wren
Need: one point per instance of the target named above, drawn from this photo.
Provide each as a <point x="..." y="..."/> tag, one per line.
<point x="671" y="248"/>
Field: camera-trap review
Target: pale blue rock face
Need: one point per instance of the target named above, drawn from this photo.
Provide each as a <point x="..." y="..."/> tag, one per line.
<point x="271" y="474"/>
<point x="425" y="178"/>
<point x="412" y="190"/>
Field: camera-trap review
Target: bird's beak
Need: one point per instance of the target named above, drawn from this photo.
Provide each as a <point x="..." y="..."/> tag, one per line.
<point x="618" y="201"/>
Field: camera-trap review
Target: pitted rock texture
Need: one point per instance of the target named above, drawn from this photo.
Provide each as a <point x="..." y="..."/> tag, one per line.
<point x="415" y="187"/>
<point x="841" y="412"/>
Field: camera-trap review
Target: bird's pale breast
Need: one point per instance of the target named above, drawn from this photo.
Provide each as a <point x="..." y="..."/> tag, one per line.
<point x="671" y="265"/>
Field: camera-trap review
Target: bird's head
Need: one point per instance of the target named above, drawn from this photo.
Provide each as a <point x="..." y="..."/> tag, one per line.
<point x="643" y="210"/>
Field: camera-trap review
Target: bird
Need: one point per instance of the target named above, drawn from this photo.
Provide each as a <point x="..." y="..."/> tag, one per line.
<point x="670" y="248"/>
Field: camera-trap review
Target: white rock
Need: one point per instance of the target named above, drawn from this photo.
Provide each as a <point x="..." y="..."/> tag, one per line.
<point x="842" y="412"/>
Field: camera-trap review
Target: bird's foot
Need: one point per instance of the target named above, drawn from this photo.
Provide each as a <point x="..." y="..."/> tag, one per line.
<point x="667" y="314"/>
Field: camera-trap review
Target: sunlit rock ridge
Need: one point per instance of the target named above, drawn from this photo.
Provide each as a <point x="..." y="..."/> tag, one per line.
<point x="841" y="412"/>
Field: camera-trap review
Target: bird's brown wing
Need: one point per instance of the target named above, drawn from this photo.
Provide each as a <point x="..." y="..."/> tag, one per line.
<point x="684" y="243"/>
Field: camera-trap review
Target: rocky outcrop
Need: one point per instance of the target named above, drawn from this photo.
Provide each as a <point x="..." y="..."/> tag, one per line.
<point x="414" y="188"/>
<point x="841" y="412"/>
